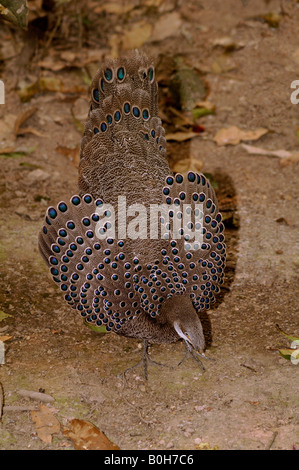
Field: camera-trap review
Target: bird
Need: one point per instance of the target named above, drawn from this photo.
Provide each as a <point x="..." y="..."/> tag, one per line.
<point x="153" y="282"/>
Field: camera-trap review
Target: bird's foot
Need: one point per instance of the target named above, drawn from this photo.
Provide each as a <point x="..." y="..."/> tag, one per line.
<point x="145" y="361"/>
<point x="195" y="355"/>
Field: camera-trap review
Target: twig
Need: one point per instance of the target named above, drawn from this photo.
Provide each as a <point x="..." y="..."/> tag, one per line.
<point x="138" y="409"/>
<point x="53" y="32"/>
<point x="1" y="400"/>
<point x="248" y="367"/>
<point x="272" y="441"/>
<point x="18" y="408"/>
<point x="80" y="26"/>
<point x="43" y="397"/>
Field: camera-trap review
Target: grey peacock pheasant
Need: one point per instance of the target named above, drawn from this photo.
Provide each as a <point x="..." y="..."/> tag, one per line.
<point x="138" y="286"/>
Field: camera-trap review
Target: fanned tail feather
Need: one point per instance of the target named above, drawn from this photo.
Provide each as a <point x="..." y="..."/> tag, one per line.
<point x="109" y="286"/>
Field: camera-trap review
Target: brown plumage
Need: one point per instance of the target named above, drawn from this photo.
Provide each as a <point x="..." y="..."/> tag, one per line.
<point x="145" y="288"/>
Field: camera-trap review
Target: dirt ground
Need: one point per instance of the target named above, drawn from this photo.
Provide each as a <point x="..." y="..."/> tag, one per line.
<point x="248" y="55"/>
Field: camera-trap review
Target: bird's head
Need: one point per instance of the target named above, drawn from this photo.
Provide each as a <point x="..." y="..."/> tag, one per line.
<point x="182" y="315"/>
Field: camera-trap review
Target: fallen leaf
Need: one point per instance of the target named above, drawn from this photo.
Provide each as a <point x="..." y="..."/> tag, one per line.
<point x="97" y="329"/>
<point x="167" y="25"/>
<point x="52" y="63"/>
<point x="181" y="136"/>
<point x="22" y="117"/>
<point x="233" y="135"/>
<point x="33" y="395"/>
<point x="223" y="64"/>
<point x="7" y="150"/>
<point x="68" y="56"/>
<point x="72" y="154"/>
<point x="228" y="44"/>
<point x="35" y="176"/>
<point x="46" y="423"/>
<point x="282" y="221"/>
<point x="30" y="130"/>
<point x="187" y="86"/>
<point x="3" y="315"/>
<point x="15" y="11"/>
<point x="272" y="19"/>
<point x="201" y="111"/>
<point x="206" y="446"/>
<point x="15" y="152"/>
<point x="119" y="8"/>
<point x="285" y="156"/>
<point x="291" y="338"/>
<point x="52" y="84"/>
<point x="136" y="36"/>
<point x="288" y="353"/>
<point x="57" y="84"/>
<point x="153" y="3"/>
<point x="205" y="104"/>
<point x="68" y="59"/>
<point x="181" y="119"/>
<point x="186" y="165"/>
<point x="5" y="338"/>
<point x="86" y="436"/>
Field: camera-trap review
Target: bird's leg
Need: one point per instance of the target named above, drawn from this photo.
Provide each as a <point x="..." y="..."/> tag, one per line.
<point x="195" y="355"/>
<point x="145" y="360"/>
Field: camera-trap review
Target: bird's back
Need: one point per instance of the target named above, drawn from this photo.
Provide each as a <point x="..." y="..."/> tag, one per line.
<point x="123" y="150"/>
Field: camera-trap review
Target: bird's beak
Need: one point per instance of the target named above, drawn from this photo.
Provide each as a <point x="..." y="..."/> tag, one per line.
<point x="194" y="347"/>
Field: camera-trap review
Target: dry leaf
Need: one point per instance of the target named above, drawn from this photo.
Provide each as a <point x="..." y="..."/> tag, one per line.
<point x="260" y="151"/>
<point x="183" y="119"/>
<point x="233" y="135"/>
<point x="181" y="136"/>
<point x="57" y="84"/>
<point x="7" y="150"/>
<point x="52" y="63"/>
<point x="86" y="436"/>
<point x="167" y="25"/>
<point x="70" y="59"/>
<point x="46" y="423"/>
<point x="205" y="104"/>
<point x="119" y="8"/>
<point x="30" y="130"/>
<point x="206" y="446"/>
<point x="53" y="84"/>
<point x="137" y="35"/>
<point x="282" y="221"/>
<point x="72" y="154"/>
<point x="3" y="315"/>
<point x="186" y="165"/>
<point x="22" y="117"/>
<point x="68" y="56"/>
<point x="33" y="395"/>
<point x="15" y="11"/>
<point x="5" y="338"/>
<point x="223" y="64"/>
<point x="285" y="156"/>
<point x="228" y="43"/>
